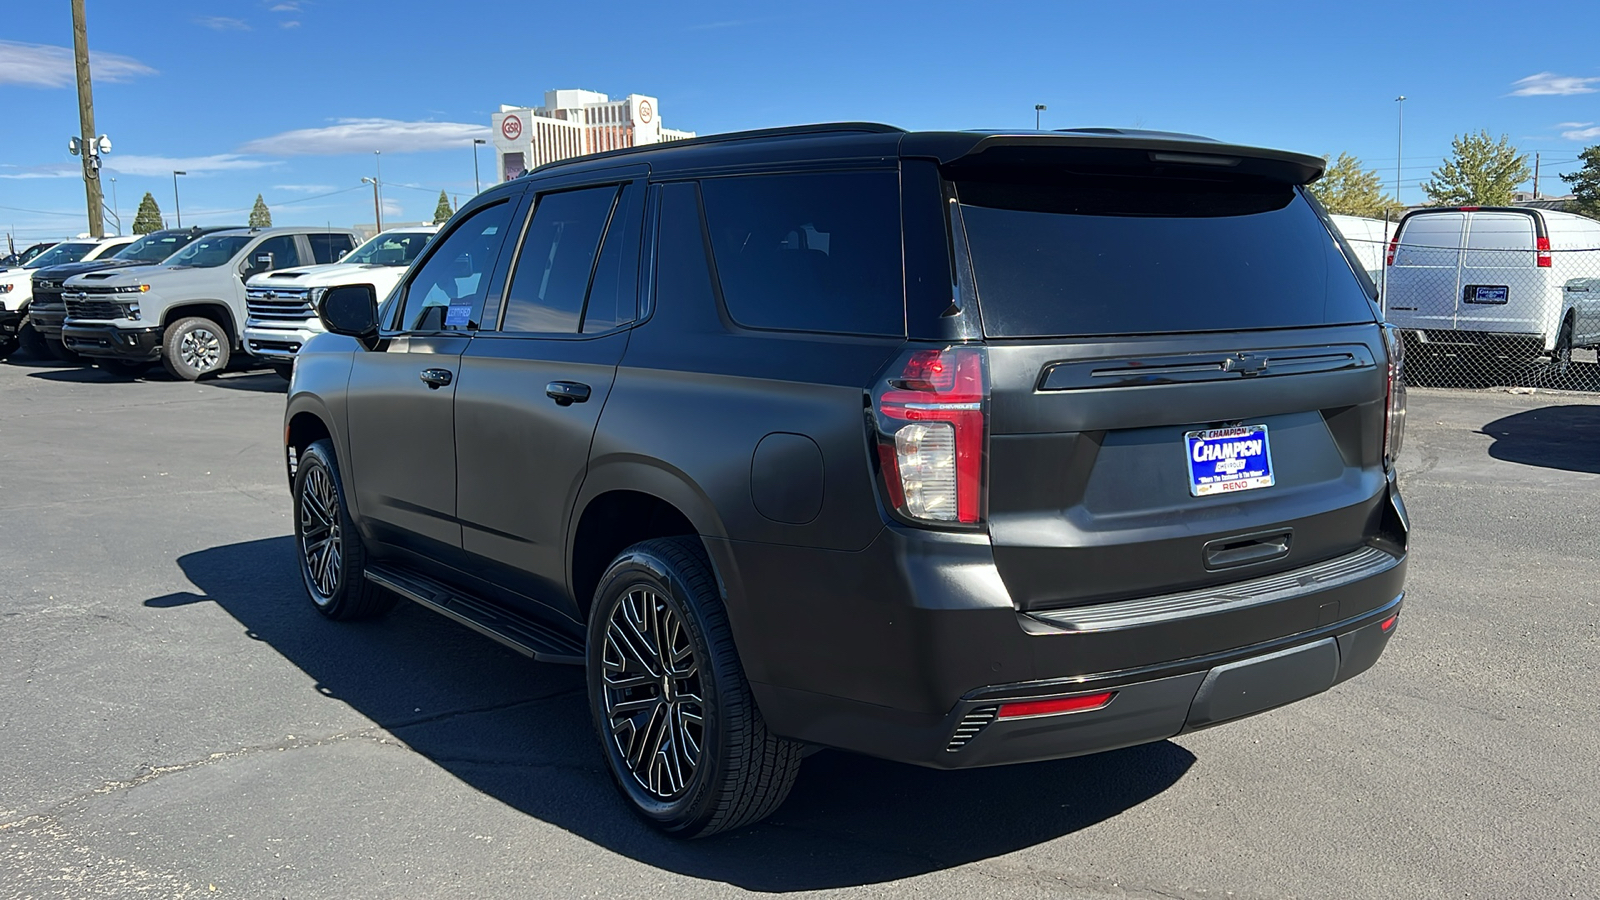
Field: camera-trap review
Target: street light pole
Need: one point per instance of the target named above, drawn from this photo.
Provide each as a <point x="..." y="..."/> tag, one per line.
<point x="377" y="190"/>
<point x="1037" y="109"/>
<point x="476" y="187"/>
<point x="1399" y="145"/>
<point x="176" y="206"/>
<point x="377" y="212"/>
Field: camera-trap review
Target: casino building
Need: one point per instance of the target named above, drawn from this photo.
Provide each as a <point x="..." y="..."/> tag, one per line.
<point x="572" y="123"/>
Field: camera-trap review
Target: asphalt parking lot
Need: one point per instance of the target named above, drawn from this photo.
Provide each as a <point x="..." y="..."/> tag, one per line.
<point x="177" y="721"/>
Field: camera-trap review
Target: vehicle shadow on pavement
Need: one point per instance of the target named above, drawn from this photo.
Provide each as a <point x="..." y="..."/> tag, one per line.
<point x="519" y="731"/>
<point x="1555" y="437"/>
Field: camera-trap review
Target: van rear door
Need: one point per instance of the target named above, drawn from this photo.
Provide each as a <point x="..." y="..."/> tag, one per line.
<point x="1424" y="281"/>
<point x="1150" y="326"/>
<point x="1502" y="291"/>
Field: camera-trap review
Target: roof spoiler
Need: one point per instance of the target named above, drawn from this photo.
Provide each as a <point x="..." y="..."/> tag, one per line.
<point x="1163" y="151"/>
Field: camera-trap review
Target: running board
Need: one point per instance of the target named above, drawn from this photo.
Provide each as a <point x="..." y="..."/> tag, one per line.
<point x="520" y="633"/>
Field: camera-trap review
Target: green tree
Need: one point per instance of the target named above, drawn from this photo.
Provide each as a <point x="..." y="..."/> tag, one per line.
<point x="260" y="216"/>
<point x="442" y="212"/>
<point x="148" y="218"/>
<point x="1480" y="172"/>
<point x="1586" y="185"/>
<point x="1350" y="190"/>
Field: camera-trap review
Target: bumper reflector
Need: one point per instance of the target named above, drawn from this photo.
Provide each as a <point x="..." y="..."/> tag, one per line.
<point x="1388" y="623"/>
<point x="1080" y="703"/>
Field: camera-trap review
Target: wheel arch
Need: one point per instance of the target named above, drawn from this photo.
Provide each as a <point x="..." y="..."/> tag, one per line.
<point x="215" y="310"/>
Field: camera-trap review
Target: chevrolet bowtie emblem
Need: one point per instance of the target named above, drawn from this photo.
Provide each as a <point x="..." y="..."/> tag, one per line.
<point x="1245" y="364"/>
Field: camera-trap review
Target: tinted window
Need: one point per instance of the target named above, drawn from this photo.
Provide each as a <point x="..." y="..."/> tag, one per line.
<point x="614" y="296"/>
<point x="210" y="252"/>
<point x="327" y="248"/>
<point x="1493" y="238"/>
<point x="447" y="293"/>
<point x="557" y="258"/>
<point x="1064" y="254"/>
<point x="283" y="250"/>
<point x="683" y="278"/>
<point x="1433" y="239"/>
<point x="809" y="252"/>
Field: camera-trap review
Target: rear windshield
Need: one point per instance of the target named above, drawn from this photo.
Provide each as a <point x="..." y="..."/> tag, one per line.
<point x="1108" y="254"/>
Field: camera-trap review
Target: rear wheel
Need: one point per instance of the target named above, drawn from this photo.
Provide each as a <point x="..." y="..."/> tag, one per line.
<point x="679" y="727"/>
<point x="194" y="347"/>
<point x="329" y="550"/>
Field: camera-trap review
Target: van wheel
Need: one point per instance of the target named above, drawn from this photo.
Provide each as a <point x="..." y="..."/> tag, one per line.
<point x="679" y="727"/>
<point x="193" y="347"/>
<point x="329" y="551"/>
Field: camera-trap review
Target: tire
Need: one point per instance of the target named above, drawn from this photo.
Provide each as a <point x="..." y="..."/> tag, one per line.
<point x="328" y="548"/>
<point x="122" y="368"/>
<point x="1561" y="357"/>
<point x="8" y="346"/>
<point x="32" y="342"/>
<point x="195" y="346"/>
<point x="663" y="593"/>
<point x="284" y="372"/>
<point x="58" y="350"/>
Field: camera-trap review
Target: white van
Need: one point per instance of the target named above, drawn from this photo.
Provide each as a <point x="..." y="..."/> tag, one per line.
<point x="1503" y="280"/>
<point x="1368" y="238"/>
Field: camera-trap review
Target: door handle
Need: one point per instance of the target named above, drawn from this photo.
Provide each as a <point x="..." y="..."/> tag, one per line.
<point x="436" y="378"/>
<point x="566" y="393"/>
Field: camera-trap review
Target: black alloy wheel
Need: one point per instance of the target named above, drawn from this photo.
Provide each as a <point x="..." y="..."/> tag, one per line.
<point x="679" y="727"/>
<point x="328" y="548"/>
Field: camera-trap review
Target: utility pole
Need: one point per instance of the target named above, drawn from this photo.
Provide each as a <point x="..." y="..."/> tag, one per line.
<point x="91" y="162"/>
<point x="1535" y="174"/>
<point x="1400" y="146"/>
<point x="377" y="211"/>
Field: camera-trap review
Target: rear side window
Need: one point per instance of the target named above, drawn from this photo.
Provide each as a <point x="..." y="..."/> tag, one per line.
<point x="1431" y="240"/>
<point x="327" y="248"/>
<point x="809" y="252"/>
<point x="1060" y="254"/>
<point x="1499" y="239"/>
<point x="558" y="256"/>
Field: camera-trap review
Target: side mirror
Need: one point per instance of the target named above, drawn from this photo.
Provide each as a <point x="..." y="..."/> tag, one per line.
<point x="350" y="310"/>
<point x="342" y="254"/>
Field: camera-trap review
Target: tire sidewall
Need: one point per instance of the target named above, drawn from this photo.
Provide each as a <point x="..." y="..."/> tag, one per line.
<point x="640" y="567"/>
<point x="171" y="354"/>
<point x="319" y="455"/>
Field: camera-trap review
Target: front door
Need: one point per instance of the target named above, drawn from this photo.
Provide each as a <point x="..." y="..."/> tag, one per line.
<point x="531" y="391"/>
<point x="402" y="393"/>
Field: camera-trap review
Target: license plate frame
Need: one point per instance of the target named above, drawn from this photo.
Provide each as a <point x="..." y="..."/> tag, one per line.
<point x="1226" y="460"/>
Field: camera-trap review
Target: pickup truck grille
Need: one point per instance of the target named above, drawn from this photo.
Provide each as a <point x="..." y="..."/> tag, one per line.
<point x="46" y="297"/>
<point x="279" y="305"/>
<point x="93" y="309"/>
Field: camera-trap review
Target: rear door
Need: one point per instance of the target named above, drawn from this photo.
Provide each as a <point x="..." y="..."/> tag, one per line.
<point x="1186" y="385"/>
<point x="532" y="386"/>
<point x="1502" y="291"/>
<point x="1424" y="282"/>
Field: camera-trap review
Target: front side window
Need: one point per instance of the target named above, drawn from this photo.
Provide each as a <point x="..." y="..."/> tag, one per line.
<point x="809" y="252"/>
<point x="273" y="253"/>
<point x="558" y="256"/>
<point x="210" y="252"/>
<point x="393" y="248"/>
<point x="447" y="292"/>
<point x="327" y="248"/>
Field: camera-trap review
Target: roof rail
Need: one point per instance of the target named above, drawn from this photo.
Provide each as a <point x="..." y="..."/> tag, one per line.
<point x="730" y="137"/>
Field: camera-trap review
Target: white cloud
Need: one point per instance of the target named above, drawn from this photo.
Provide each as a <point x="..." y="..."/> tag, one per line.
<point x="64" y="170"/>
<point x="42" y="65"/>
<point x="222" y="23"/>
<point x="304" y="188"/>
<point x="292" y="23"/>
<point x="367" y="135"/>
<point x="1582" y="134"/>
<point x="194" y="165"/>
<point x="1547" y="84"/>
<point x="1573" y="124"/>
<point x="291" y="6"/>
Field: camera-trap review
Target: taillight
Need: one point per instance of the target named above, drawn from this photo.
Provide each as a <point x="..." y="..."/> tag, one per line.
<point x="932" y="429"/>
<point x="1394" y="243"/>
<point x="1542" y="246"/>
<point x="1080" y="703"/>
<point x="1394" y="419"/>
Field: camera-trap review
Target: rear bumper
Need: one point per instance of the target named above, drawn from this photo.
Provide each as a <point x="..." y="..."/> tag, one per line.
<point x="276" y="345"/>
<point x="908" y="649"/>
<point x="109" y="341"/>
<point x="1421" y="340"/>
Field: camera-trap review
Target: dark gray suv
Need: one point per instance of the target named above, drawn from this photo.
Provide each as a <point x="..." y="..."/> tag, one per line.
<point x="957" y="448"/>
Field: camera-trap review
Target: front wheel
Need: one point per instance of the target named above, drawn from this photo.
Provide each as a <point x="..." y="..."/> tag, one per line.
<point x="679" y="727"/>
<point x="194" y="347"/>
<point x="329" y="550"/>
<point x="57" y="349"/>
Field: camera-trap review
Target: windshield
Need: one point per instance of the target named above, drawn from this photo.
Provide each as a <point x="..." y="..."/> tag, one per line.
<point x="210" y="252"/>
<point x="1063" y="254"/>
<point x="154" y="248"/>
<point x="60" y="254"/>
<point x="393" y="249"/>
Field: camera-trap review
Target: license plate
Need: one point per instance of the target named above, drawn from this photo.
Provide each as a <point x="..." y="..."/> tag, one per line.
<point x="1228" y="459"/>
<point x="1488" y="293"/>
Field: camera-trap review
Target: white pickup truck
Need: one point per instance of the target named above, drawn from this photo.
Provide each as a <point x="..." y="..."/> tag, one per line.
<point x="282" y="304"/>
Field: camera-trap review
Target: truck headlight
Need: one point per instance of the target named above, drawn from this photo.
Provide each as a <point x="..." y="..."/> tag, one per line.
<point x="131" y="289"/>
<point x="6" y="288"/>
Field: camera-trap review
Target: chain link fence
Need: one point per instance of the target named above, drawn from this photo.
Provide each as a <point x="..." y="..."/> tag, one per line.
<point x="1491" y="316"/>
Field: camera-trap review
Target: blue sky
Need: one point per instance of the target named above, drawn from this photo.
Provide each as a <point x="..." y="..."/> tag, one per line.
<point x="288" y="98"/>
